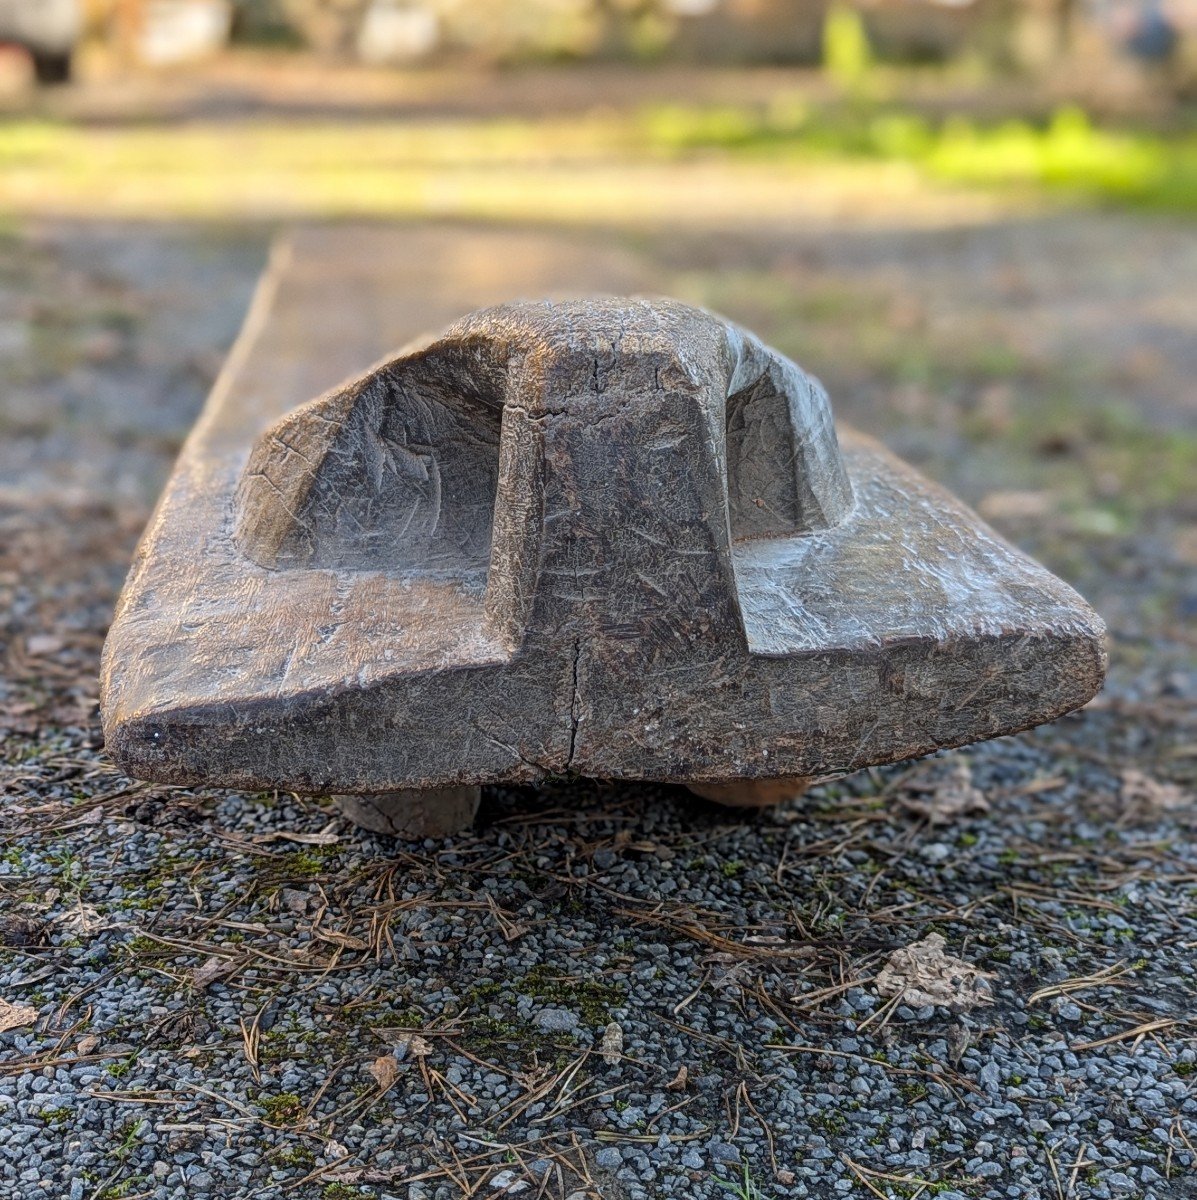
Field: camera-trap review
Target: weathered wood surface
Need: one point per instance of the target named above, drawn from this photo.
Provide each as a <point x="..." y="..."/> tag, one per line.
<point x="617" y="540"/>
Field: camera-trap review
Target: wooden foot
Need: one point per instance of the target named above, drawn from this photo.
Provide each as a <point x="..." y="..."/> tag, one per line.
<point x="428" y="812"/>
<point x="752" y="793"/>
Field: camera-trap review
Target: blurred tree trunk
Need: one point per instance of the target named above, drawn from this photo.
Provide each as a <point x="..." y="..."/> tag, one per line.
<point x="328" y="26"/>
<point x="126" y="24"/>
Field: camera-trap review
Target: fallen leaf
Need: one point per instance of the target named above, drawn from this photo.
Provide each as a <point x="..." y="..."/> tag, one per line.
<point x="385" y="1070"/>
<point x="679" y="1081"/>
<point x="923" y="974"/>
<point x="404" y="1043"/>
<point x="944" y="799"/>
<point x="612" y="1044"/>
<point x="83" y="920"/>
<point x="209" y="971"/>
<point x="13" y="1016"/>
<point x="1144" y="797"/>
<point x="296" y="901"/>
<point x="19" y="931"/>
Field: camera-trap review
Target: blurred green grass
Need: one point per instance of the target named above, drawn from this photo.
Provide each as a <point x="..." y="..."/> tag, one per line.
<point x="1066" y="153"/>
<point x="691" y="162"/>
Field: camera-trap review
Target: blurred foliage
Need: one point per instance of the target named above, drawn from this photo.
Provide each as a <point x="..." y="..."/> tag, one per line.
<point x="1065" y="153"/>
<point x="847" y="57"/>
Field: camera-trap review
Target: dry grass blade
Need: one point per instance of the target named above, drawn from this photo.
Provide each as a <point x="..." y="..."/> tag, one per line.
<point x="1108" y="977"/>
<point x="1137" y="1032"/>
<point x="250" y="1036"/>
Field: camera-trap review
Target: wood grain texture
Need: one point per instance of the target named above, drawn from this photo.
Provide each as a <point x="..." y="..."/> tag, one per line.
<point x="611" y="537"/>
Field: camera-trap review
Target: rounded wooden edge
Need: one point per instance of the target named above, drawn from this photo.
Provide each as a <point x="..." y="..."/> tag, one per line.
<point x="752" y="793"/>
<point x="414" y="813"/>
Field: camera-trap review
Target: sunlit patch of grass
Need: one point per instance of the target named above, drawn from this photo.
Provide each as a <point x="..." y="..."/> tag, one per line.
<point x="675" y="163"/>
<point x="602" y="170"/>
<point x="1067" y="153"/>
<point x="1070" y="153"/>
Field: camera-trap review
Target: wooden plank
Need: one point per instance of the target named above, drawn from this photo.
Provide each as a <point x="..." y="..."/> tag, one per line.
<point x="682" y="581"/>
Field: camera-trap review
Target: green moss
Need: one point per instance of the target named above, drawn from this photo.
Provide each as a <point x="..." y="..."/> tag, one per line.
<point x="500" y="1037"/>
<point x="135" y="1185"/>
<point x="591" y="998"/>
<point x="912" y="1091"/>
<point x="138" y="945"/>
<point x="305" y="863"/>
<point x="831" y="1123"/>
<point x="293" y="1156"/>
<point x="482" y="993"/>
<point x="282" y="1108"/>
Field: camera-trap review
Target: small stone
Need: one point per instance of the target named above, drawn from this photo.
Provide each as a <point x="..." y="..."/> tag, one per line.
<point x="509" y="1183"/>
<point x="555" y="1020"/>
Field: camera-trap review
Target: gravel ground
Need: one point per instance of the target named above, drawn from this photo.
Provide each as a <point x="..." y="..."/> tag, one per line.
<point x="601" y="991"/>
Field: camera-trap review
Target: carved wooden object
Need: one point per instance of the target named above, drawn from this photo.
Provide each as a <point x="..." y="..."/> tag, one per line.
<point x="617" y="538"/>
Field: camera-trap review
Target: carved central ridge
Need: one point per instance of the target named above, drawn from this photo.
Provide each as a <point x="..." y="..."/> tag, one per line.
<point x="593" y="459"/>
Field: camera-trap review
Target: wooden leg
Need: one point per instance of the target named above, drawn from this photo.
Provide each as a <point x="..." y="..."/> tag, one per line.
<point x="752" y="793"/>
<point x="429" y="812"/>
